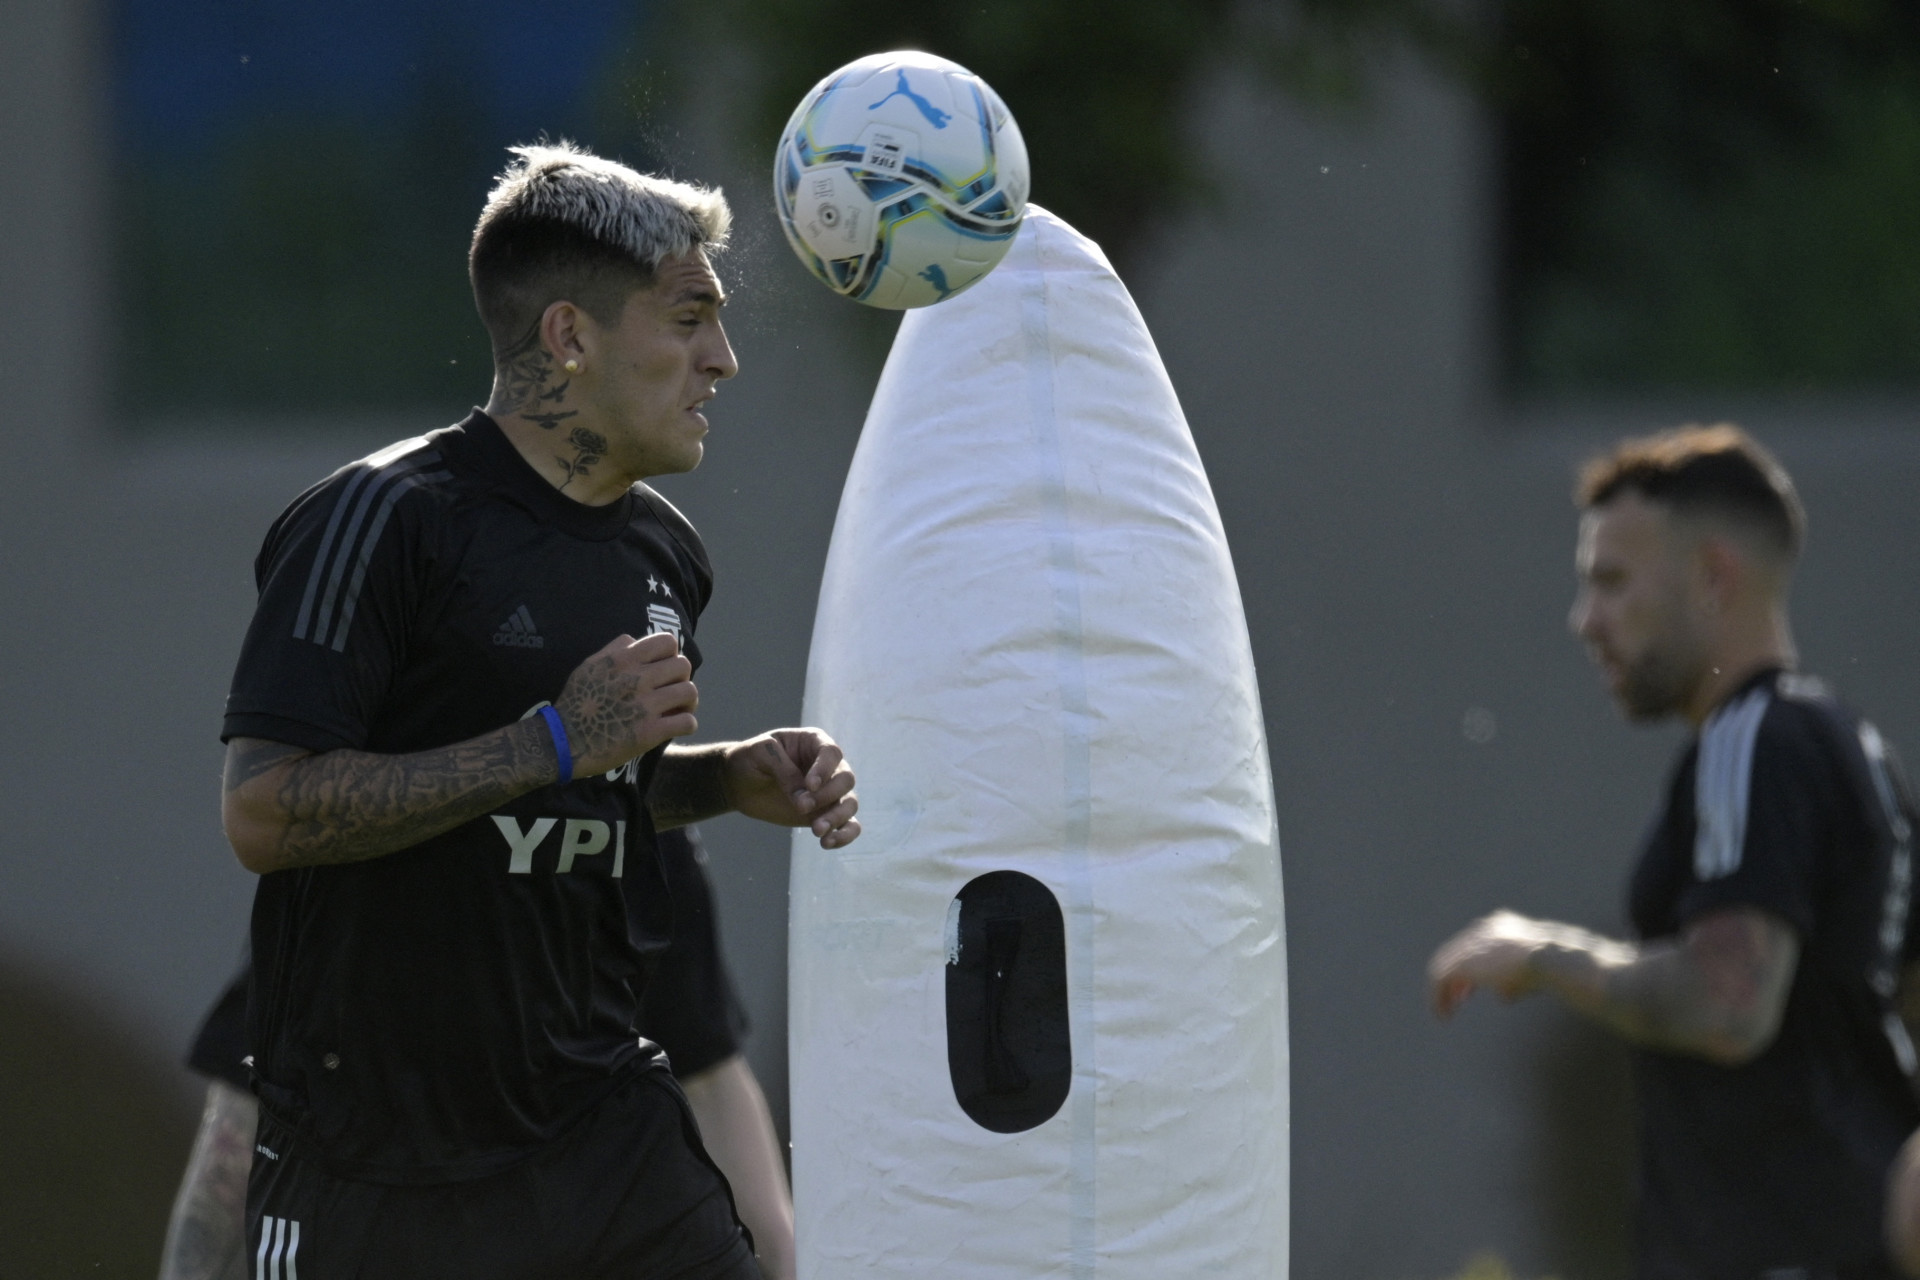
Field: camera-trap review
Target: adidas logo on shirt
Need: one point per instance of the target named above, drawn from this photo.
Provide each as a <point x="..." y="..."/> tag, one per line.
<point x="518" y="631"/>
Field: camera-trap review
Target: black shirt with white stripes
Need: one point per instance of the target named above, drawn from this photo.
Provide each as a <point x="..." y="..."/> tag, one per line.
<point x="1789" y="803"/>
<point x="436" y="1013"/>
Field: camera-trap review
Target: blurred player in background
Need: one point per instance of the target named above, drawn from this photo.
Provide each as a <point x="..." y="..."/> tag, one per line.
<point x="690" y="1009"/>
<point x="1903" y="1205"/>
<point x="447" y="758"/>
<point x="206" y="1234"/>
<point x="1772" y="896"/>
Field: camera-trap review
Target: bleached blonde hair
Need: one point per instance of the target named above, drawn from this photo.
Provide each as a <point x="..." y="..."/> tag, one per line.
<point x="649" y="218"/>
<point x="562" y="222"/>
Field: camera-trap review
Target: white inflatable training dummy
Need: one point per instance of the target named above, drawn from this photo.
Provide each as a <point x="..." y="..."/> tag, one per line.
<point x="1038" y="1013"/>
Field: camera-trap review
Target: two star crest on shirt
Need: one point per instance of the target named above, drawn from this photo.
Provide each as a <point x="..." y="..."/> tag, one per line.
<point x="654" y="584"/>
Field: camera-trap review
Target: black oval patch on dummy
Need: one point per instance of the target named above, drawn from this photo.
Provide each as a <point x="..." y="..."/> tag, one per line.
<point x="1008" y="1048"/>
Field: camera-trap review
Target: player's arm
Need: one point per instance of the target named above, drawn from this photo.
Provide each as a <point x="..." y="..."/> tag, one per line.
<point x="285" y="807"/>
<point x="1717" y="992"/>
<point x="207" y="1234"/>
<point x="1907" y="999"/>
<point x="789" y="777"/>
<point x="737" y="1129"/>
<point x="1903" y="1208"/>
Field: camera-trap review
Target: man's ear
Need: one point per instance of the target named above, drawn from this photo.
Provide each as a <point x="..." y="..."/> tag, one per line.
<point x="1723" y="569"/>
<point x="566" y="333"/>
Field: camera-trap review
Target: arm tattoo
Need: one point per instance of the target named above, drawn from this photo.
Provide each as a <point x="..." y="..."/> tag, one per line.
<point x="1718" y="992"/>
<point x="689" y="786"/>
<point x="207" y="1235"/>
<point x="348" y="806"/>
<point x="251" y="757"/>
<point x="588" y="448"/>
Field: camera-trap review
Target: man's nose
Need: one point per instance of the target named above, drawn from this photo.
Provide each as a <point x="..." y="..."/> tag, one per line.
<point x="721" y="362"/>
<point x="1580" y="616"/>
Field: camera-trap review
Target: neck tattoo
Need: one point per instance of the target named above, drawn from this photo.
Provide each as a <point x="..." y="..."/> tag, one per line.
<point x="526" y="383"/>
<point x="589" y="447"/>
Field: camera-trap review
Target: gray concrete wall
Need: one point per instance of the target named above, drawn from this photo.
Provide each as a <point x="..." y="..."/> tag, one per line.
<point x="1403" y="542"/>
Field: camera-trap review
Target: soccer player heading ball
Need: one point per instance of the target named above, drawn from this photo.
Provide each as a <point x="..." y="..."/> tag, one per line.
<point x="1773" y="895"/>
<point x="447" y="758"/>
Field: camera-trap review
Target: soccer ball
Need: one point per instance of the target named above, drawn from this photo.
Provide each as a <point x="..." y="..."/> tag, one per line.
<point x="900" y="179"/>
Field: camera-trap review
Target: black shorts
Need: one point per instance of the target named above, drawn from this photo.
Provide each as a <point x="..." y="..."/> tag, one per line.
<point x="629" y="1192"/>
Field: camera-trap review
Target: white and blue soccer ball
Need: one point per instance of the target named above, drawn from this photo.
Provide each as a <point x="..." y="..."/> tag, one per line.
<point x="901" y="179"/>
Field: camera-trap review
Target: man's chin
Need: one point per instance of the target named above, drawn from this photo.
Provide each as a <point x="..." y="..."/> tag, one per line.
<point x="1641" y="712"/>
<point x="1639" y="704"/>
<point x="681" y="461"/>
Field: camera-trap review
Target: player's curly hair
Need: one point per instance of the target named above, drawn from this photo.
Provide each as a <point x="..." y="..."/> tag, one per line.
<point x="564" y="224"/>
<point x="1714" y="472"/>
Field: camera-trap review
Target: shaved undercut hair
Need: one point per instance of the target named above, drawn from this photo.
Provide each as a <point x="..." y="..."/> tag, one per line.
<point x="562" y="224"/>
<point x="1718" y="475"/>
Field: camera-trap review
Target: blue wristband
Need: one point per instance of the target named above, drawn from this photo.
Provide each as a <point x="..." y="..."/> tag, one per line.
<point x="561" y="748"/>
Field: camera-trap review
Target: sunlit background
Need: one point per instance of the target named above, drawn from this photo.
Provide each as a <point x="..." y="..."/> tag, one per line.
<point x="1407" y="263"/>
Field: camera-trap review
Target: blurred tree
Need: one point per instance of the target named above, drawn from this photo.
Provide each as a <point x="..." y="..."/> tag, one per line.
<point x="1709" y="192"/>
<point x="295" y="184"/>
<point x="1704" y="192"/>
<point x="1103" y="89"/>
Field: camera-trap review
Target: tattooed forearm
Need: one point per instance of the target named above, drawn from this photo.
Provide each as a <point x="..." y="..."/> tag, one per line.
<point x="1717" y="992"/>
<point x="248" y="758"/>
<point x="206" y="1236"/>
<point x="689" y="785"/>
<point x="348" y="806"/>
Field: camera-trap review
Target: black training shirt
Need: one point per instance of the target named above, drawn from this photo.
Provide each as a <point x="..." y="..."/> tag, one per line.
<point x="1788" y="803"/>
<point x="689" y="1008"/>
<point x="220" y="1046"/>
<point x="435" y="1013"/>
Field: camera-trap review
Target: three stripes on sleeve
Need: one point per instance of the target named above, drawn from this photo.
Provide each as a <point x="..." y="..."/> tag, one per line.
<point x="353" y="530"/>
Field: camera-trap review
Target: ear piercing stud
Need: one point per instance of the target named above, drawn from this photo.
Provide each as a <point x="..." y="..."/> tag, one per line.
<point x="572" y="366"/>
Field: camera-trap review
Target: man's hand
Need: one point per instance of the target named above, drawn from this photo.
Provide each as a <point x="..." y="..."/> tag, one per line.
<point x="794" y="778"/>
<point x="789" y="777"/>
<point x="1494" y="952"/>
<point x="626" y="700"/>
